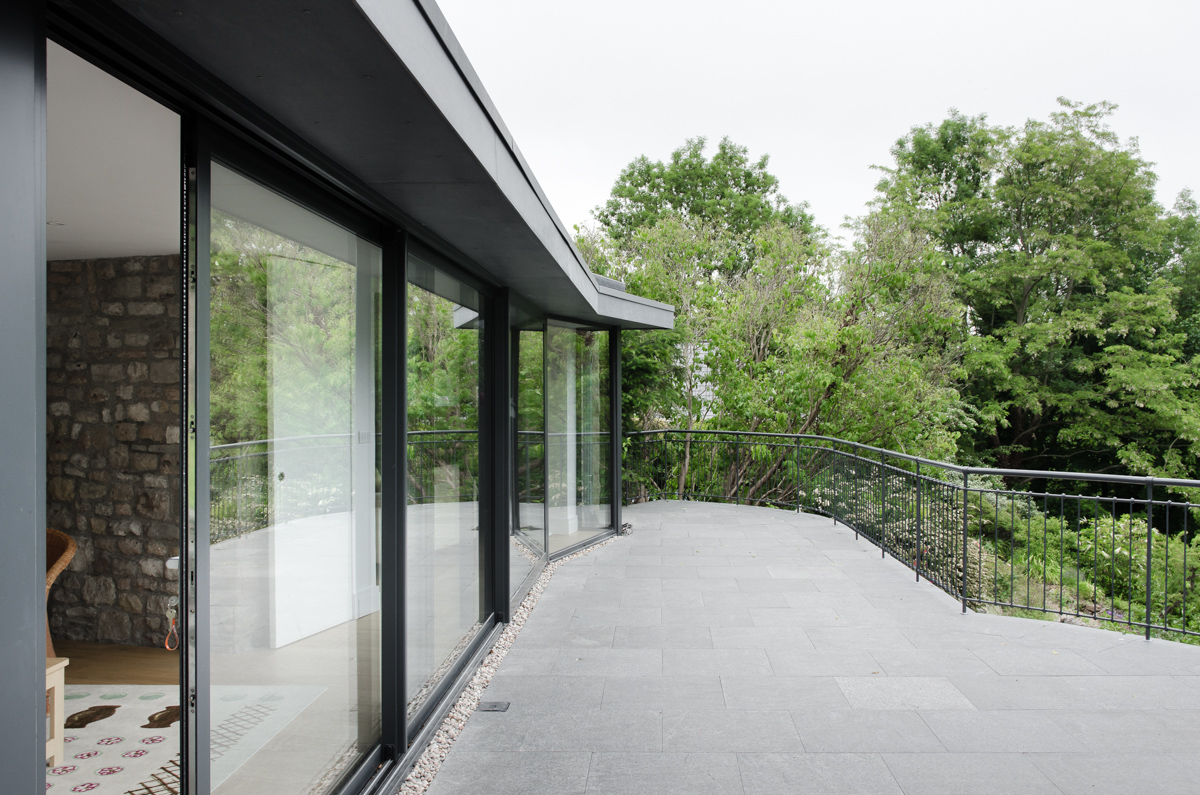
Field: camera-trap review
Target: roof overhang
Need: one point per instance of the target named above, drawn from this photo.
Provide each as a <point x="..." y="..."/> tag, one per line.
<point x="383" y="89"/>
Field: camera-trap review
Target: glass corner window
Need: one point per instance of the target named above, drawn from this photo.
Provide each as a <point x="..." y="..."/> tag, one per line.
<point x="578" y="435"/>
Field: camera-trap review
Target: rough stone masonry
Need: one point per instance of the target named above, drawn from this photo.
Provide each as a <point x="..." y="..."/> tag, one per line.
<point x="113" y="426"/>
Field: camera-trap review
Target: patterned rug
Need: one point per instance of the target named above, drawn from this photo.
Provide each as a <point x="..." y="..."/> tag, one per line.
<point x="124" y="739"/>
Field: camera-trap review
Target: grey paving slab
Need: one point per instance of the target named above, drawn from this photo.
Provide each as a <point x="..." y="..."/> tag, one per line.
<point x="547" y="693"/>
<point x="734" y="571"/>
<point x="607" y="662"/>
<point x="903" y="692"/>
<point x="620" y="585"/>
<point x="1129" y="730"/>
<point x="858" y="731"/>
<point x="731" y="616"/>
<point x="1078" y="692"/>
<point x="737" y="731"/>
<point x="661" y="598"/>
<point x="663" y="692"/>
<point x="1120" y="774"/>
<point x="660" y="572"/>
<point x="827" y="774"/>
<point x="660" y="637"/>
<point x="613" y="616"/>
<point x="572" y="636"/>
<point x="1146" y="658"/>
<point x="827" y="572"/>
<point x="733" y="649"/>
<point x="706" y="585"/>
<point x="867" y="637"/>
<point x="792" y="638"/>
<point x="1021" y="660"/>
<point x="760" y="584"/>
<point x="596" y="730"/>
<point x="664" y="774"/>
<point x="852" y="662"/>
<point x="739" y="599"/>
<point x="931" y="662"/>
<point x="1056" y="635"/>
<point x="715" y="662"/>
<point x="529" y="661"/>
<point x="1000" y="730"/>
<point x="969" y="774"/>
<point x="501" y="773"/>
<point x="794" y="617"/>
<point x="946" y="637"/>
<point x="783" y="692"/>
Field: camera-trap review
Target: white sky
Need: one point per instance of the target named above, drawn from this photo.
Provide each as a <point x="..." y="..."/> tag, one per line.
<point x="824" y="88"/>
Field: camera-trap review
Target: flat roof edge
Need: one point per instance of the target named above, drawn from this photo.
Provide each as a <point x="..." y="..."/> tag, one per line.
<point x="633" y="311"/>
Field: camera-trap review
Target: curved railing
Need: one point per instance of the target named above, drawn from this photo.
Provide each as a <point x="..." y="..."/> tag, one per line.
<point x="1114" y="548"/>
<point x="308" y="475"/>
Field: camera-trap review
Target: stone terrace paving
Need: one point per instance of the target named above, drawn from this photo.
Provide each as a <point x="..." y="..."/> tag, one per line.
<point x="727" y="649"/>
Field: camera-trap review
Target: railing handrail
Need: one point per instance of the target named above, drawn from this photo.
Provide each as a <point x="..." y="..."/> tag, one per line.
<point x="277" y="440"/>
<point x="1144" y="480"/>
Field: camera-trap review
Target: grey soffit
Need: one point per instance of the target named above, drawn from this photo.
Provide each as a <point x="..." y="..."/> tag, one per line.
<point x="383" y="88"/>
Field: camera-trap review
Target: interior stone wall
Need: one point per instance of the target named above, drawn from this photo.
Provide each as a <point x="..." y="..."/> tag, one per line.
<point x="113" y="426"/>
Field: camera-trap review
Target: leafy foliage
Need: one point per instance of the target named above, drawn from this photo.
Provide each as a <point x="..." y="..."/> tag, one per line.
<point x="728" y="193"/>
<point x="1076" y="354"/>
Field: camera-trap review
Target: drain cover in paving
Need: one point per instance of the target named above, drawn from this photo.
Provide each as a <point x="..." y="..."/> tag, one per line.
<point x="493" y="706"/>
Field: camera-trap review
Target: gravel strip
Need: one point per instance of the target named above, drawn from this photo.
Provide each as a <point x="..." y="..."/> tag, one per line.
<point x="422" y="774"/>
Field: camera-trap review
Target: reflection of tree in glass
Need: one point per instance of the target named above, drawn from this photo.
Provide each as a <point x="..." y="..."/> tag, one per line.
<point x="531" y="421"/>
<point x="282" y="318"/>
<point x="443" y="395"/>
<point x="282" y="357"/>
<point x="577" y="369"/>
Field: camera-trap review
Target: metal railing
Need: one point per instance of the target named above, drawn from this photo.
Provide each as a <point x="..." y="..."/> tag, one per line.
<point x="257" y="483"/>
<point x="443" y="466"/>
<point x="1109" y="547"/>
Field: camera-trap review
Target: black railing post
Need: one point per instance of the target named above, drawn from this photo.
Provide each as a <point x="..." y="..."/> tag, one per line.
<point x="917" y="562"/>
<point x="737" y="476"/>
<point x="833" y="491"/>
<point x="1150" y="547"/>
<point x="797" y="474"/>
<point x="854" y="498"/>
<point x="883" y="505"/>
<point x="966" y="494"/>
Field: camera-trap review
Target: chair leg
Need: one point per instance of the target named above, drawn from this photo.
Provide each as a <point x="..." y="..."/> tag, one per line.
<point x="49" y="642"/>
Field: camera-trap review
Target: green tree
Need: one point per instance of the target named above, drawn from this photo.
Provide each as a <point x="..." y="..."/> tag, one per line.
<point x="1055" y="243"/>
<point x="1182" y="257"/>
<point x="728" y="192"/>
<point x="861" y="345"/>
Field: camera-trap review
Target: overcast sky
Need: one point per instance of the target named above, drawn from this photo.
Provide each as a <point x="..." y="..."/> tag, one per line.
<point x="823" y="88"/>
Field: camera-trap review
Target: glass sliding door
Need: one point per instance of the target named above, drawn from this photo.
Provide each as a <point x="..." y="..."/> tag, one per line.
<point x="527" y="547"/>
<point x="579" y="443"/>
<point x="443" y="589"/>
<point x="294" y="533"/>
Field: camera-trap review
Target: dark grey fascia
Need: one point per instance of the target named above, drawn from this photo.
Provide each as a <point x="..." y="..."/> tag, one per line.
<point x="383" y="89"/>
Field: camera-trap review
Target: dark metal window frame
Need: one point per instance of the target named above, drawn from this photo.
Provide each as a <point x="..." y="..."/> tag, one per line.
<point x="208" y="137"/>
<point x="614" y="426"/>
<point x="216" y="121"/>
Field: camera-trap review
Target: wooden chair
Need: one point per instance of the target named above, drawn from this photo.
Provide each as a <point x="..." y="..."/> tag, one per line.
<point x="60" y="548"/>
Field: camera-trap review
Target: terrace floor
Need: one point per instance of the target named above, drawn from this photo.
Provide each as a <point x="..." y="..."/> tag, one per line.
<point x="725" y="649"/>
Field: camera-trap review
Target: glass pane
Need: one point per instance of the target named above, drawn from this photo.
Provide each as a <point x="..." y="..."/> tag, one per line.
<point x="295" y="467"/>
<point x="579" y="485"/>
<point x="529" y="521"/>
<point x="442" y="533"/>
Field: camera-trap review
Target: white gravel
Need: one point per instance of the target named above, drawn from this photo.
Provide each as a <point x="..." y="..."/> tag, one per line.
<point x="423" y="772"/>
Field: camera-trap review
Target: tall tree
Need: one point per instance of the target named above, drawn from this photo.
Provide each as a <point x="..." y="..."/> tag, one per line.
<point x="728" y="192"/>
<point x="1054" y="239"/>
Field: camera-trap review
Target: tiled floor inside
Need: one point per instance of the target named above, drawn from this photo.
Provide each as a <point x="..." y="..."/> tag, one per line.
<point x="727" y="649"/>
